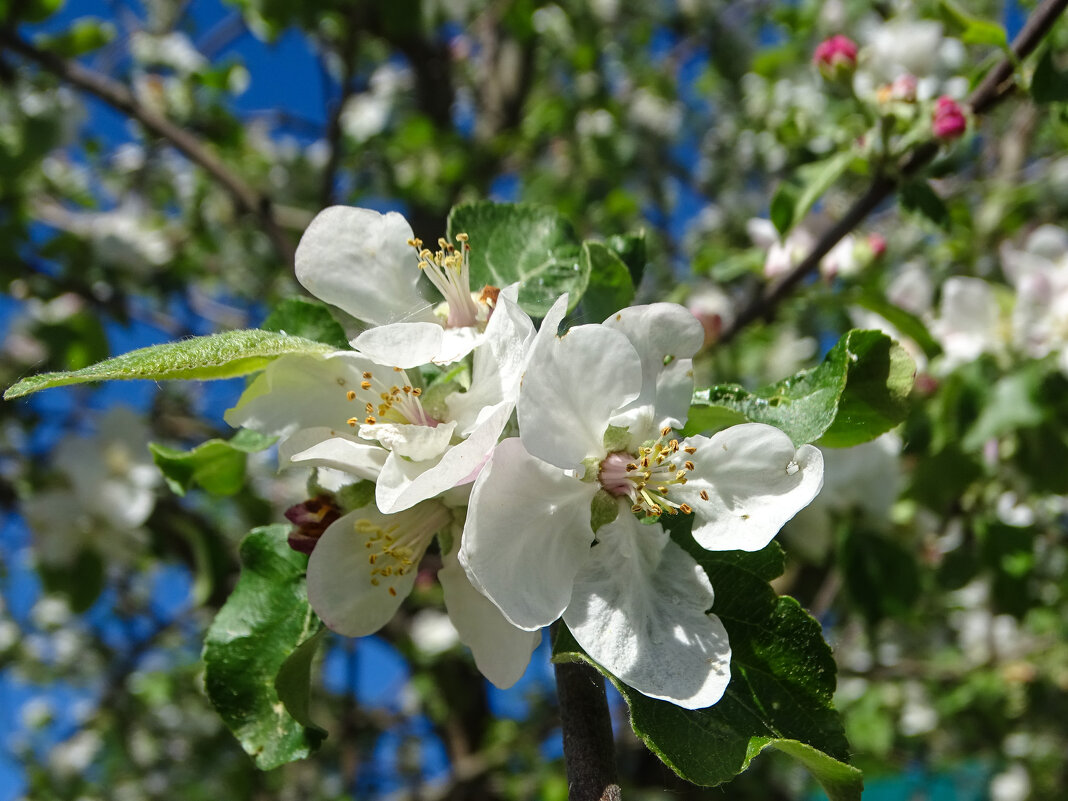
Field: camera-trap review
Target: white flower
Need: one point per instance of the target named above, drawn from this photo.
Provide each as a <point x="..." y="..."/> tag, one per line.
<point x="365" y="564"/>
<point x="363" y="263"/>
<point x="1039" y="272"/>
<point x="112" y="491"/>
<point x="414" y="453"/>
<point x="595" y="415"/>
<point x="968" y="322"/>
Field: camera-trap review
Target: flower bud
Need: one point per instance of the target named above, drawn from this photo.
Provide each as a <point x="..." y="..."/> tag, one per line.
<point x="836" y="57"/>
<point x="948" y="121"/>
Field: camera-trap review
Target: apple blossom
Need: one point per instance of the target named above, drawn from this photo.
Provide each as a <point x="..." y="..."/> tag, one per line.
<point x="563" y="519"/>
<point x="365" y="564"/>
<point x="363" y="263"/>
<point x="1039" y="272"/>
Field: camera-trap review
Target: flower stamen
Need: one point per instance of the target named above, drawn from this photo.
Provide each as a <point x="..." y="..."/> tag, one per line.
<point x="648" y="476"/>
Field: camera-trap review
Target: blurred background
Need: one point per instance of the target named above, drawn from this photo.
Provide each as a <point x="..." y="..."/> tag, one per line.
<point x="159" y="160"/>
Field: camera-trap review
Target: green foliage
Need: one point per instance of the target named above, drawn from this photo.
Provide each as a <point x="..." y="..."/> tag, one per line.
<point x="860" y="391"/>
<point x="217" y="466"/>
<point x="610" y="287"/>
<point x="226" y="355"/>
<point x="533" y="245"/>
<point x="919" y="198"/>
<point x="782" y="681"/>
<point x="1049" y="83"/>
<point x="793" y="200"/>
<point x="973" y="29"/>
<point x="309" y="319"/>
<point x="263" y="623"/>
<point x="81" y="581"/>
<point x="83" y="36"/>
<point x="881" y="576"/>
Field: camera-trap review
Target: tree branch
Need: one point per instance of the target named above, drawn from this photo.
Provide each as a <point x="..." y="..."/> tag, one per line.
<point x="247" y="199"/>
<point x="998" y="84"/>
<point x="588" y="746"/>
<point x="333" y="132"/>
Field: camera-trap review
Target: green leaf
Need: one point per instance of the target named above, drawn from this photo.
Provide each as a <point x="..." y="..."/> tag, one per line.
<point x="880" y="575"/>
<point x="975" y="30"/>
<point x="782" y="207"/>
<point x="1049" y="84"/>
<point x="907" y="323"/>
<point x="217" y="465"/>
<point x="631" y="248"/>
<point x="610" y="287"/>
<point x="1012" y="404"/>
<point x="531" y="244"/>
<point x="310" y="319"/>
<point x="817" y="178"/>
<point x="293" y="684"/>
<point x="264" y="621"/>
<point x="859" y="392"/>
<point x="232" y="353"/>
<point x="918" y="197"/>
<point x="792" y="200"/>
<point x="81" y="581"/>
<point x="83" y="36"/>
<point x="782" y="682"/>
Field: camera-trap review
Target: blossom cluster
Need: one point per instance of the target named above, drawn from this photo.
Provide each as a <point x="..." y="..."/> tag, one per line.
<point x="543" y="464"/>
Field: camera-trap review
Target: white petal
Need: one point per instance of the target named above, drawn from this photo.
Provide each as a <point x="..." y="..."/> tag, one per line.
<point x="666" y="336"/>
<point x="341" y="576"/>
<point x="411" y="441"/>
<point x="404" y="483"/>
<point x="755" y="481"/>
<point x="361" y="262"/>
<point x="498" y="364"/>
<point x="527" y="534"/>
<point x="300" y="391"/>
<point x="403" y="345"/>
<point x="501" y="651"/>
<point x="571" y="388"/>
<point x="325" y="447"/>
<point x="457" y="343"/>
<point x="639" y="608"/>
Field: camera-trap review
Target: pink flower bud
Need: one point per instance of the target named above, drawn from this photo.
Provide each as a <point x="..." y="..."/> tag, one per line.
<point x="836" y="57"/>
<point x="877" y="243"/>
<point x="948" y="121"/>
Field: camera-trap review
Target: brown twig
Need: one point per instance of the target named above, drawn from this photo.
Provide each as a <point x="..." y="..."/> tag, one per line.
<point x="589" y="751"/>
<point x="115" y="94"/>
<point x="998" y="84"/>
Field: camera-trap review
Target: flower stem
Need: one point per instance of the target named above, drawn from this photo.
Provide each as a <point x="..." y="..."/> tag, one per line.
<point x="589" y="751"/>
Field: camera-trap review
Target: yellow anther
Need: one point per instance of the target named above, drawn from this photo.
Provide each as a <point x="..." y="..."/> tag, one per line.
<point x="364" y="385"/>
<point x="688" y="465"/>
<point x="370" y="420"/>
<point x="690" y="450"/>
<point x="367" y="375"/>
<point x="685" y="508"/>
<point x="704" y="495"/>
<point x="393" y="591"/>
<point x="351" y="394"/>
<point x="352" y="421"/>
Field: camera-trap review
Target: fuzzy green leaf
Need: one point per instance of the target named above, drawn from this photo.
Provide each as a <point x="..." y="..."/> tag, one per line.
<point x="225" y="355"/>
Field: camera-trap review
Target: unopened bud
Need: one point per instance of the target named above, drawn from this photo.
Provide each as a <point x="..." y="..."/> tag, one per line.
<point x="836" y="58"/>
<point x="948" y="121"/>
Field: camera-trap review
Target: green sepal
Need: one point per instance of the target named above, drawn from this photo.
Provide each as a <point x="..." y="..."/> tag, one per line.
<point x="226" y="355"/>
<point x="616" y="438"/>
<point x="604" y="509"/>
